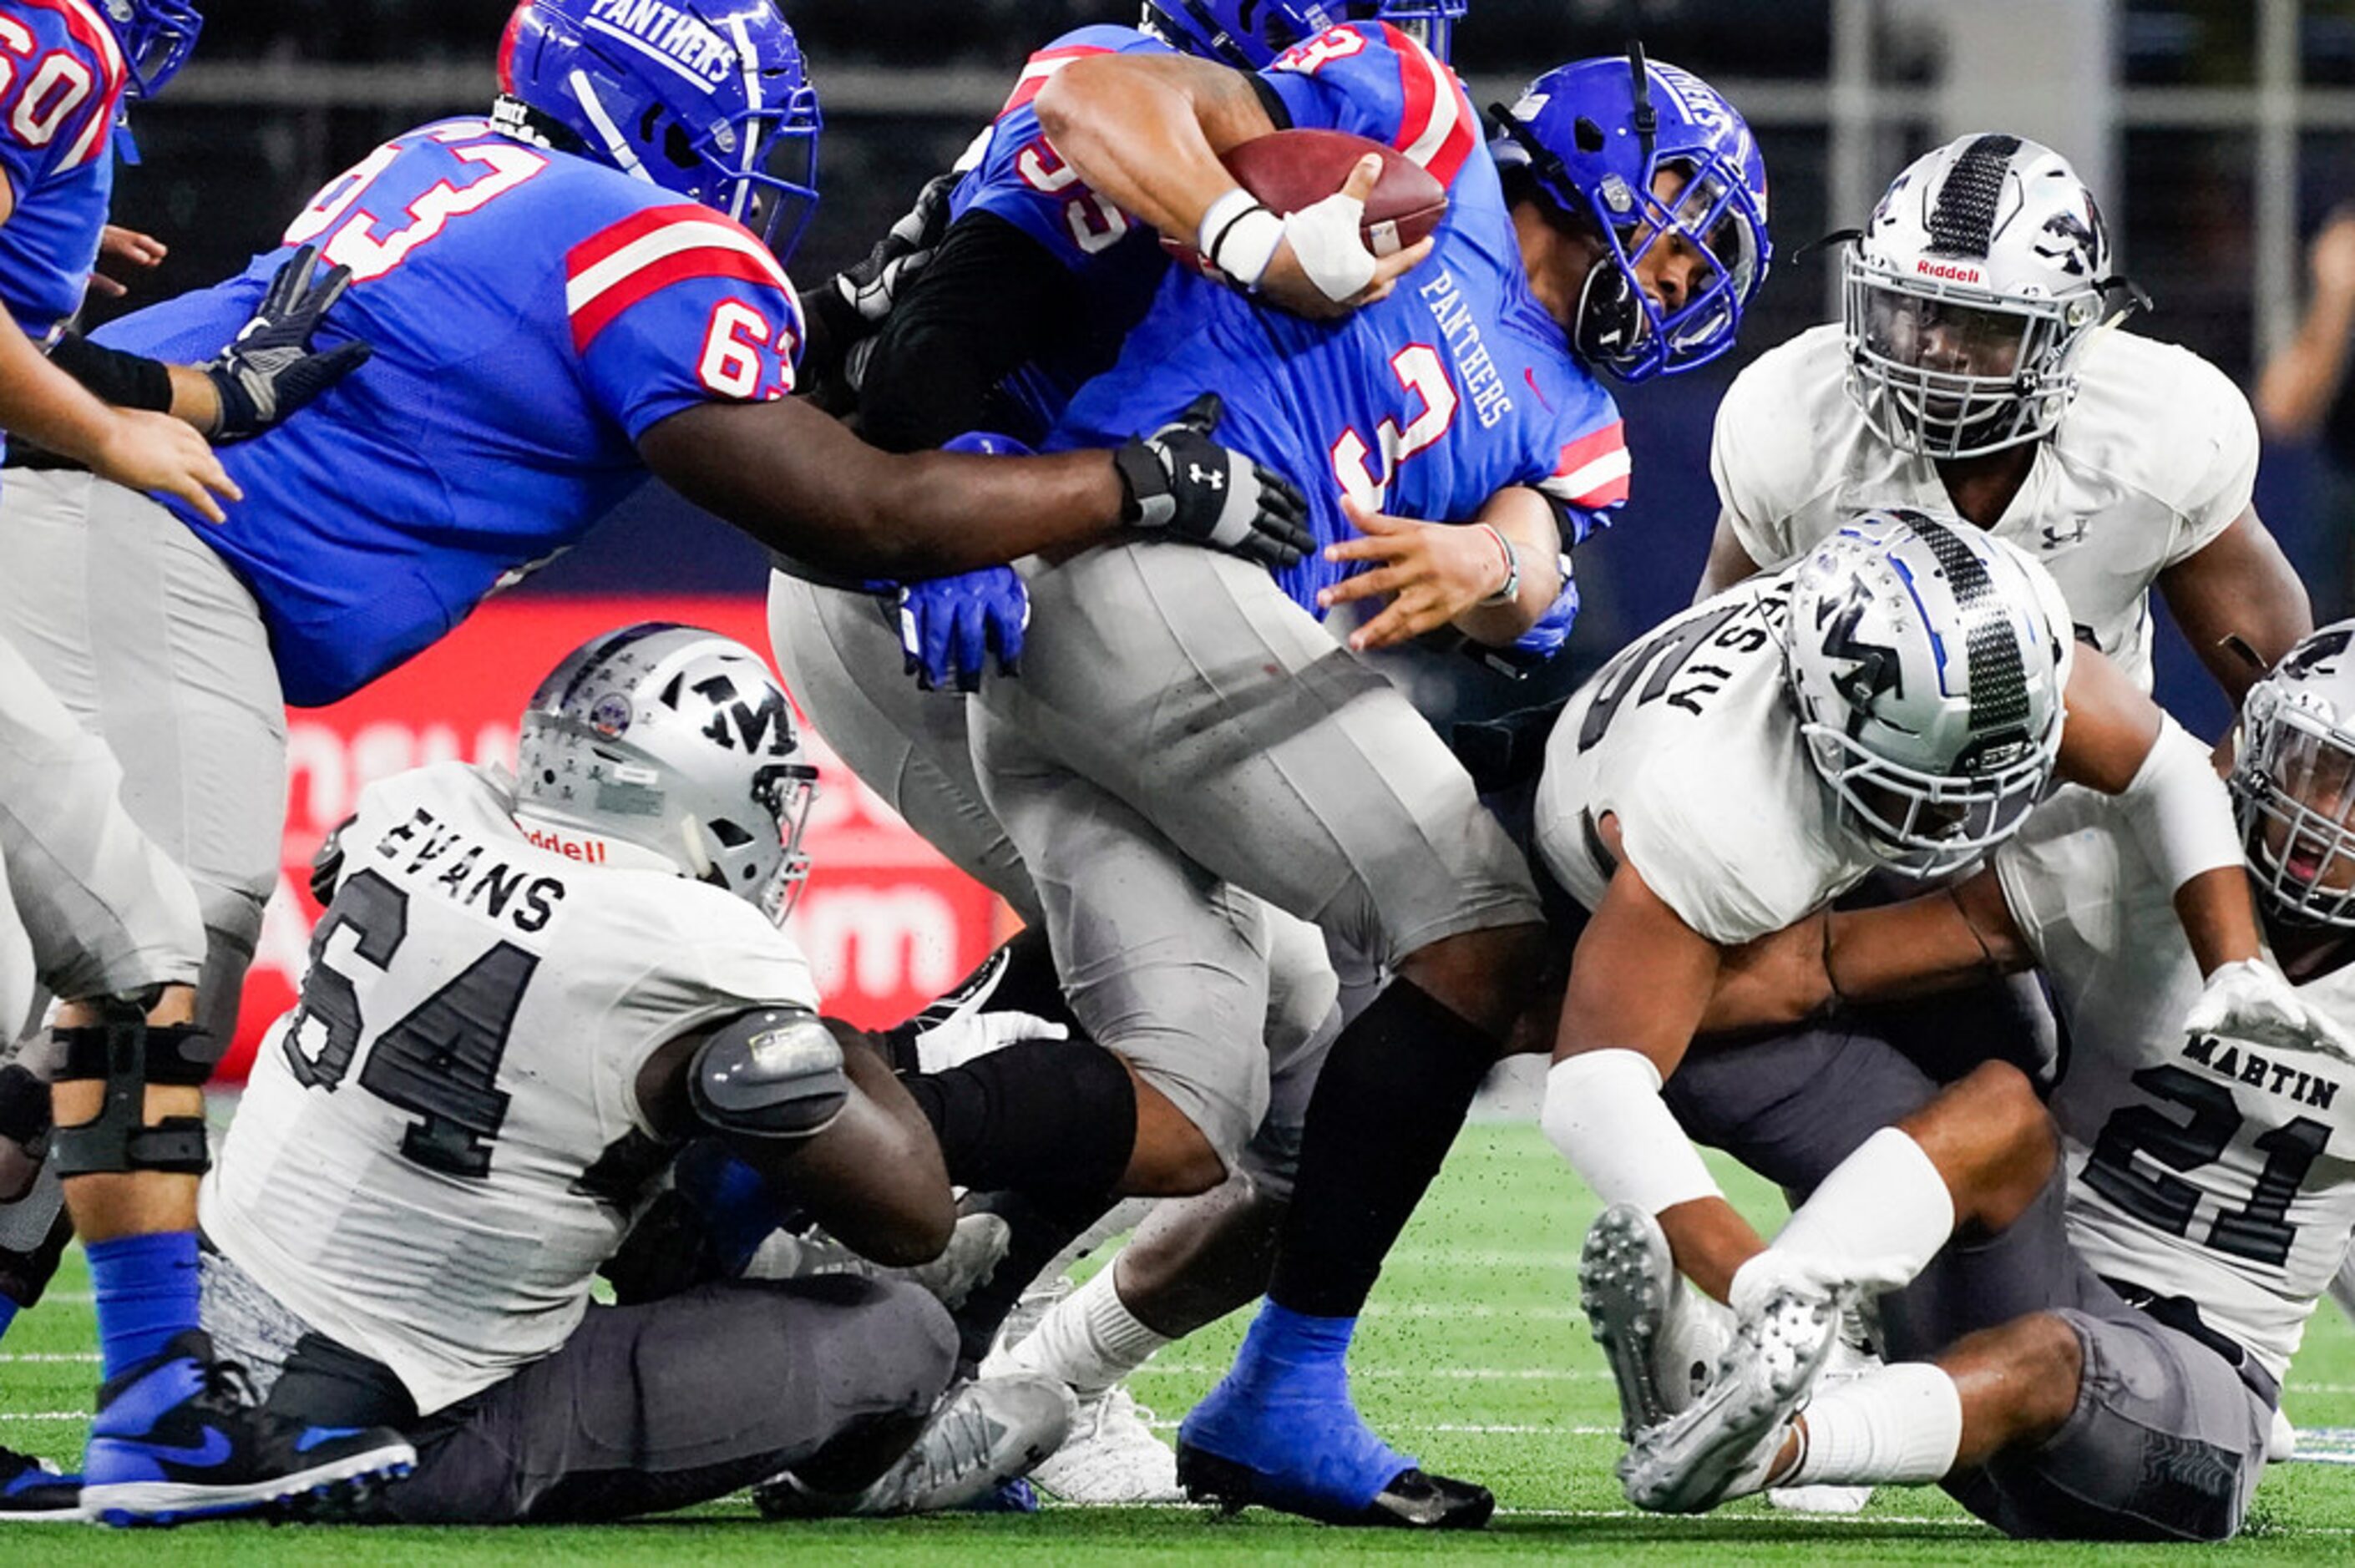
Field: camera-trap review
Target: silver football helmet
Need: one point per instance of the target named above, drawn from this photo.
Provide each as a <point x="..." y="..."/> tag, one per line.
<point x="1970" y="295"/>
<point x="2293" y="779"/>
<point x="677" y="740"/>
<point x="1928" y="658"/>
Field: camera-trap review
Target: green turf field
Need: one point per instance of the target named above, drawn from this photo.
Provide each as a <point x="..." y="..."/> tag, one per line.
<point x="1473" y="1356"/>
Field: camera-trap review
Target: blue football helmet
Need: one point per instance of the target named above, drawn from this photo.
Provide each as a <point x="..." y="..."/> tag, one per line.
<point x="706" y="98"/>
<point x="156" y="37"/>
<point x="1646" y="152"/>
<point x="1249" y="33"/>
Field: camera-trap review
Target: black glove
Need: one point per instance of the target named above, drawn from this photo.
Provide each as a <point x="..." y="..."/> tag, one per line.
<point x="1179" y="479"/>
<point x="869" y="287"/>
<point x="269" y="370"/>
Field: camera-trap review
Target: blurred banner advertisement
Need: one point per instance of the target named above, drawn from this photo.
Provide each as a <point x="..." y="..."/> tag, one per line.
<point x="887" y="923"/>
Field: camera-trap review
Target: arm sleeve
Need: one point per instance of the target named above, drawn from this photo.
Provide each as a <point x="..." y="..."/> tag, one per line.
<point x="676" y="306"/>
<point x="985" y="305"/>
<point x="1373" y="80"/>
<point x="125" y="380"/>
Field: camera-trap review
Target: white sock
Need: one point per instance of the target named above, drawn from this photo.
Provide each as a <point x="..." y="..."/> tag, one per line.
<point x="1897" y="1426"/>
<point x="1886" y="1200"/>
<point x="1091" y="1340"/>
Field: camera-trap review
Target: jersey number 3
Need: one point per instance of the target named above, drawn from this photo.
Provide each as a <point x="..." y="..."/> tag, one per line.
<point x="370" y="255"/>
<point x="441" y="1060"/>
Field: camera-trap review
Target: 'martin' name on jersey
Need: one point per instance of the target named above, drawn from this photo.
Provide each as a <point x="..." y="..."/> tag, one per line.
<point x="2245" y="1065"/>
<point x="523" y="901"/>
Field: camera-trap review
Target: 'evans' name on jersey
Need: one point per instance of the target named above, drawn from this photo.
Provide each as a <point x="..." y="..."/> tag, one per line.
<point x="476" y="878"/>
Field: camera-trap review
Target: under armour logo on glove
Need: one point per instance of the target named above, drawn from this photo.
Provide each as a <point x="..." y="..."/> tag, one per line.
<point x="1178" y="479"/>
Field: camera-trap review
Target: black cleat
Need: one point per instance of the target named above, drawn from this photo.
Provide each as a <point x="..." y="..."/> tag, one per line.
<point x="1414" y="1500"/>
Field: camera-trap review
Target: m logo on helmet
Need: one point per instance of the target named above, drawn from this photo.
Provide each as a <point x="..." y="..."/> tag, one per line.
<point x="765" y="727"/>
<point x="1874" y="666"/>
<point x="668" y="34"/>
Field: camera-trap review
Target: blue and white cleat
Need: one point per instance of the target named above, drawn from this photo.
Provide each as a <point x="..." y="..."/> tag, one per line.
<point x="183" y="1438"/>
<point x="32" y="1491"/>
<point x="1280" y="1432"/>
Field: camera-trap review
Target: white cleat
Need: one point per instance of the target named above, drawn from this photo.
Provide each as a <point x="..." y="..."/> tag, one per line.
<point x="2281" y="1439"/>
<point x="1112" y="1457"/>
<point x="1661" y="1337"/>
<point x="1722" y="1446"/>
<point x="983" y="1436"/>
<point x="974" y="1247"/>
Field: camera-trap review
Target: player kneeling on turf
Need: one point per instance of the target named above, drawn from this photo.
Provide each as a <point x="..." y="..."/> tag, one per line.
<point x="523" y="998"/>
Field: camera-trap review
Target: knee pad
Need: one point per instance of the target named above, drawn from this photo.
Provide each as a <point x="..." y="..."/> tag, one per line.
<point x="126" y="1053"/>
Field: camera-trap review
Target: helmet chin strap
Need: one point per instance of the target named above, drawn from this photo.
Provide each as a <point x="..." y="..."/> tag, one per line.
<point x="1609" y="320"/>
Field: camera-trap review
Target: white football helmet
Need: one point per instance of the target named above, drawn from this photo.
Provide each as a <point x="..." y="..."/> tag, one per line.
<point x="677" y="740"/>
<point x="1970" y="294"/>
<point x="2293" y="779"/>
<point x="1928" y="658"/>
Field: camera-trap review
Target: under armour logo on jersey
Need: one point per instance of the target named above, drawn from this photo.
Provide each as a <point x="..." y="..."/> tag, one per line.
<point x="1209" y="477"/>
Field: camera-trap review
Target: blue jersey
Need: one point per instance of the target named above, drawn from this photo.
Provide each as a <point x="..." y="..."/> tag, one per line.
<point x="1425" y="405"/>
<point x="1114" y="259"/>
<point x="62" y="77"/>
<point x="533" y="313"/>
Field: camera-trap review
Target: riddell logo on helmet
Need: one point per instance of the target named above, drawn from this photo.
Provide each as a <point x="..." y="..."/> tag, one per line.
<point x="571" y="846"/>
<point x="1950" y="272"/>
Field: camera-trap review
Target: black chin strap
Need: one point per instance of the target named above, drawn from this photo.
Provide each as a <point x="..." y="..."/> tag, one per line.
<point x="1647" y="119"/>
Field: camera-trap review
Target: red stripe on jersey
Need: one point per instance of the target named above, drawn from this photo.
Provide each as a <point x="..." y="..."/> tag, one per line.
<point x="705" y="261"/>
<point x="1429" y="92"/>
<point x="1042" y="66"/>
<point x="635" y="228"/>
<point x="93" y="32"/>
<point x="1577" y="454"/>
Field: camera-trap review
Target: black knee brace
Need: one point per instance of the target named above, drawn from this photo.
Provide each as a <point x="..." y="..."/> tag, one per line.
<point x="126" y="1053"/>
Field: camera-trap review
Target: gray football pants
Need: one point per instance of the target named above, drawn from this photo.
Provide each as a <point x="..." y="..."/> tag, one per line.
<point x="155" y="646"/>
<point x="2169" y="1435"/>
<point x="841" y="659"/>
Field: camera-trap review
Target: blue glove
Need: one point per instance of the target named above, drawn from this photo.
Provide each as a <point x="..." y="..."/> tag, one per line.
<point x="950" y="626"/>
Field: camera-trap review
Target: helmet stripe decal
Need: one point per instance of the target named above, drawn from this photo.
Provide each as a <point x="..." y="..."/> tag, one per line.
<point x="1998" y="690"/>
<point x="1963" y="223"/>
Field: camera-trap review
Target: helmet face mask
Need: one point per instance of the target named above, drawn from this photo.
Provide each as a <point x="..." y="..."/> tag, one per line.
<point x="711" y="100"/>
<point x="1968" y="299"/>
<point x="2292" y="782"/>
<point x="1647" y="156"/>
<point x="678" y="741"/>
<point x="156" y="37"/>
<point x="1927" y="661"/>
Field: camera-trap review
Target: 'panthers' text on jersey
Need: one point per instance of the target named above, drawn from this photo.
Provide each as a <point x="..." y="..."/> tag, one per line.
<point x="533" y="314"/>
<point x="441" y="1144"/>
<point x="1688" y="737"/>
<point x="1425" y="405"/>
<point x="61" y="77"/>
<point x="2198" y="1167"/>
<point x="2156" y="457"/>
<point x="1114" y="259"/>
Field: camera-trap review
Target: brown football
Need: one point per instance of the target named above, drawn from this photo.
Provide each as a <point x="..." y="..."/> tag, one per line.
<point x="1288" y="170"/>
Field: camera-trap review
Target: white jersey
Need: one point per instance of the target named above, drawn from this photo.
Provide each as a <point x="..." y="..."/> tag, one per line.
<point x="1690" y="739"/>
<point x="2198" y="1167"/>
<point x="441" y="1144"/>
<point x="2157" y="455"/>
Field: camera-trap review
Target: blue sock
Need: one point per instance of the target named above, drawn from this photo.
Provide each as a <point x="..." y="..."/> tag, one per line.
<point x="730" y="1196"/>
<point x="147" y="1291"/>
<point x="1286" y="1344"/>
<point x="7" y="1313"/>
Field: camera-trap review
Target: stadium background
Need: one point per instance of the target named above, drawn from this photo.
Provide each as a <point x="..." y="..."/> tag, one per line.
<point x="2219" y="133"/>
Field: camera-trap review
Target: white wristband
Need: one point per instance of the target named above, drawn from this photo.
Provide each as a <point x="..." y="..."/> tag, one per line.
<point x="2180" y="811"/>
<point x="1237" y="236"/>
<point x="1604" y="1112"/>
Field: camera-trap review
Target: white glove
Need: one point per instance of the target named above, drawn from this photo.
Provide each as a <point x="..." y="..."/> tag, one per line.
<point x="1326" y="242"/>
<point x="968" y="1035"/>
<point x="1777" y="1269"/>
<point x="2248" y="999"/>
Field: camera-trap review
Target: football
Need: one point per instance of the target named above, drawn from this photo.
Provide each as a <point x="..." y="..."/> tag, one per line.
<point x="1288" y="170"/>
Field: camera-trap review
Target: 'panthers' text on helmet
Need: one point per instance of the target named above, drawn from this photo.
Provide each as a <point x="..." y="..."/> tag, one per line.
<point x="156" y="37"/>
<point x="677" y="740"/>
<point x="1928" y="659"/>
<point x="1694" y="176"/>
<point x="1970" y="294"/>
<point x="706" y="98"/>
<point x="2293" y="779"/>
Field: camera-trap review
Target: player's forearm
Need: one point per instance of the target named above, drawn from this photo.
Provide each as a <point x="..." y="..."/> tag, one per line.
<point x="1145" y="132"/>
<point x="2219" y="919"/>
<point x="797" y="481"/>
<point x="43" y="404"/>
<point x="2298" y="383"/>
<point x="1941" y="941"/>
<point x="2239" y="602"/>
<point x="1524" y="519"/>
<point x="875" y="1177"/>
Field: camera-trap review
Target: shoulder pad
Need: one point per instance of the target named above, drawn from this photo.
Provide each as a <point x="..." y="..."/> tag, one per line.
<point x="772" y="1073"/>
